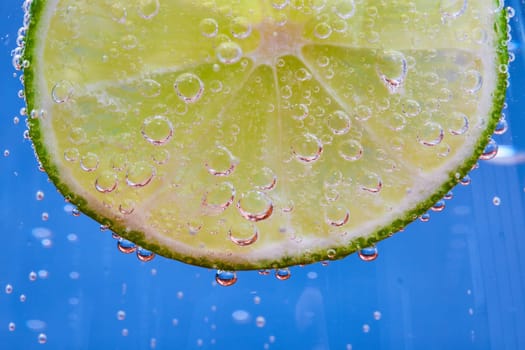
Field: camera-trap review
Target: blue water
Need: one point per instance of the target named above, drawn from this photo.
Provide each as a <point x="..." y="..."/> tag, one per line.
<point x="455" y="282"/>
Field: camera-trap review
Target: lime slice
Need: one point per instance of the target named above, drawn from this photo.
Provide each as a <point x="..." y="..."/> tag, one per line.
<point x="260" y="134"/>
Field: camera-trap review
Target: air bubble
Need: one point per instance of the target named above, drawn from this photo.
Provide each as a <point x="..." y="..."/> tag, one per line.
<point x="129" y="42"/>
<point x="42" y="338"/>
<point x="144" y="254"/>
<point x="302" y="74"/>
<point x="121" y="315"/>
<point x="438" y="206"/>
<point x="298" y="111"/>
<point x="11" y="327"/>
<point x="308" y="148"/>
<point x="496" y="201"/>
<point x="226" y="278"/>
<point x="339" y="122"/>
<point x="465" y="180"/>
<point x="392" y="70"/>
<point x="149" y="88"/>
<point x="89" y="162"/>
<point x="396" y="122"/>
<point x="337" y="216"/>
<point x="451" y="9"/>
<point x="260" y="321"/>
<point x="371" y="182"/>
<point x="283" y="274"/>
<point x="345" y="9"/>
<point x="490" y="151"/>
<point x="265" y="179"/>
<point x="62" y="91"/>
<point x="431" y="134"/>
<point x="39" y="195"/>
<point x="425" y="217"/>
<point x="368" y="254"/>
<point x="502" y="126"/>
<point x="218" y="198"/>
<point x="237" y="237"/>
<point x="189" y="87"/>
<point x="458" y="122"/>
<point x="140" y="174"/>
<point x="106" y="182"/>
<point x="221" y="162"/>
<point x="229" y="52"/>
<point x="351" y="150"/>
<point x="118" y="12"/>
<point x="255" y="206"/>
<point x="160" y="156"/>
<point x="209" y="27"/>
<point x="148" y="8"/>
<point x="323" y="30"/>
<point x="280" y="4"/>
<point x="157" y="130"/>
<point x="472" y="81"/>
<point x="241" y="27"/>
<point x="125" y="246"/>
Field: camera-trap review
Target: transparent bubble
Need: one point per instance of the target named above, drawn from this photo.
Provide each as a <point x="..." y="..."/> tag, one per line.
<point x="71" y="154"/>
<point x="189" y="87"/>
<point x="323" y="30"/>
<point x="129" y="42"/>
<point x="490" y="151"/>
<point x="144" y="255"/>
<point x="39" y="195"/>
<point x="241" y="27"/>
<point x="157" y="130"/>
<point x="106" y="182"/>
<point x="307" y="148"/>
<point x="451" y="9"/>
<point x="126" y="246"/>
<point x="219" y="197"/>
<point x="280" y="4"/>
<point x="255" y="206"/>
<point x="368" y="254"/>
<point x="148" y="9"/>
<point x="89" y="162"/>
<point x="244" y="235"/>
<point x="344" y="8"/>
<point x="458" y="123"/>
<point x="283" y="274"/>
<point x="140" y="174"/>
<point x="260" y="321"/>
<point x="351" y="150"/>
<point x="121" y="315"/>
<point x="265" y="179"/>
<point x="339" y="122"/>
<point x="229" y="52"/>
<point x="149" y="88"/>
<point x="221" y="162"/>
<point x="337" y="215"/>
<point x="62" y="91"/>
<point x="42" y="338"/>
<point x="209" y="27"/>
<point x="430" y="134"/>
<point x="226" y="278"/>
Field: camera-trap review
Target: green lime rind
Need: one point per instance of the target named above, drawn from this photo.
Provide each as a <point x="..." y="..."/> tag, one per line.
<point x="37" y="9"/>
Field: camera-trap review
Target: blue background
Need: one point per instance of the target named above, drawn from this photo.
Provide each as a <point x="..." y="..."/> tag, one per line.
<point x="455" y="282"/>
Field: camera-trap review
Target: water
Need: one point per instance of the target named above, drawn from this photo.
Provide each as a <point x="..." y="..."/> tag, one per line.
<point x="454" y="282"/>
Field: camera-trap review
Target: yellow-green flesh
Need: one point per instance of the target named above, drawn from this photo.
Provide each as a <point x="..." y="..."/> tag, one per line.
<point x="256" y="134"/>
